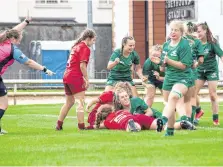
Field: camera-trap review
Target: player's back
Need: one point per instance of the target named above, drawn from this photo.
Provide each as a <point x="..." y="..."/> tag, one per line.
<point x="118" y="120"/>
<point x="79" y="53"/>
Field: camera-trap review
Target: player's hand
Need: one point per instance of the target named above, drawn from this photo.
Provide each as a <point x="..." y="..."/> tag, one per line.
<point x="195" y="65"/>
<point x="49" y="72"/>
<point x="117" y="60"/>
<point x="156" y="74"/>
<point x="144" y="79"/>
<point x="89" y="104"/>
<point x="28" y="17"/>
<point x="155" y="60"/>
<point x="165" y="59"/>
<point x="86" y="83"/>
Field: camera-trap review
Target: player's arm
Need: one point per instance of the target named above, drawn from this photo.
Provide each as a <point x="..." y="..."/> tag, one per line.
<point x="114" y="60"/>
<point x="92" y="102"/>
<point x="176" y="64"/>
<point x="83" y="67"/>
<point x="22" y="59"/>
<point x="139" y="72"/>
<point x="23" y="24"/>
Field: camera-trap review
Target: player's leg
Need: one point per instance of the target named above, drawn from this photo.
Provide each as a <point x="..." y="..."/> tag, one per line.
<point x="212" y="87"/>
<point x="150" y="94"/>
<point x="198" y="85"/>
<point x="163" y="120"/>
<point x="3" y="107"/>
<point x="193" y="102"/>
<point x="3" y="102"/>
<point x="177" y="91"/>
<point x="134" y="91"/>
<point x="79" y="99"/>
<point x="66" y="107"/>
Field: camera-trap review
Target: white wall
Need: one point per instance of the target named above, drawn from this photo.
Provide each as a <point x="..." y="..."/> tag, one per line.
<point x="121" y="21"/>
<point x="75" y="9"/>
<point x="8" y="11"/>
<point x="210" y="11"/>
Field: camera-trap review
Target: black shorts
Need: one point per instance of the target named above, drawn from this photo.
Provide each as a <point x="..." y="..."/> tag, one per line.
<point x="3" y="90"/>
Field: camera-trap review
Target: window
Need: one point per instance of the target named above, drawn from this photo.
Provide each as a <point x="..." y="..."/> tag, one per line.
<point x="105" y="4"/>
<point x="50" y="3"/>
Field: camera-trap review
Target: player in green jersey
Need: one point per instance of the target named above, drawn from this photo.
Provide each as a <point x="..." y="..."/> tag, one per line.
<point x="208" y="71"/>
<point x="198" y="59"/>
<point x="178" y="59"/>
<point x="154" y="73"/>
<point x="121" y="64"/>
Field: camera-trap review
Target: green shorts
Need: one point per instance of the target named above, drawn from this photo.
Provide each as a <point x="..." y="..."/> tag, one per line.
<point x="169" y="83"/>
<point x="208" y="75"/>
<point x="194" y="76"/>
<point x="111" y="82"/>
<point x="156" y="83"/>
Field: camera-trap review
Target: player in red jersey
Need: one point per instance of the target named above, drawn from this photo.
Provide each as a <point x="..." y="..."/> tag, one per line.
<point x="105" y="98"/>
<point x="124" y="120"/>
<point x="75" y="78"/>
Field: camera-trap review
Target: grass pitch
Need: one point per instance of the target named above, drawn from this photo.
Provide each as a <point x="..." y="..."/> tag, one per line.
<point x="32" y="140"/>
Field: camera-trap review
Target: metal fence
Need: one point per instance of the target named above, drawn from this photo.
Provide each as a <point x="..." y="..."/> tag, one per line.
<point x="32" y="74"/>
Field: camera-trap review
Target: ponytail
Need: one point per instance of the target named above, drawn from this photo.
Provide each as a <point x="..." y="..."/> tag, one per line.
<point x="88" y="33"/>
<point x="9" y="34"/>
<point x="209" y="35"/>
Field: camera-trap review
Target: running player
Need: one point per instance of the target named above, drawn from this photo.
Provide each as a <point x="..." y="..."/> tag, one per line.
<point x="198" y="59"/>
<point x="178" y="60"/>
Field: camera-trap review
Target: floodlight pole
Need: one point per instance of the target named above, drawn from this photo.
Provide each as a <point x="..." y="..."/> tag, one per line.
<point x="91" y="66"/>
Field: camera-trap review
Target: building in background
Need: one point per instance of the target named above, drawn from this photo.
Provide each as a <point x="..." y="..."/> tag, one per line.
<point x="148" y="21"/>
<point x="57" y="20"/>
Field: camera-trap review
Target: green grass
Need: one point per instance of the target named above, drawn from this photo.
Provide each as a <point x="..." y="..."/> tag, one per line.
<point x="32" y="140"/>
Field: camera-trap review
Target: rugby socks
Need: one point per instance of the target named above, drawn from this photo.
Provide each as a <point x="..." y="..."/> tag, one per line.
<point x="198" y="109"/>
<point x="164" y="119"/>
<point x="59" y="125"/>
<point x="193" y="113"/>
<point x="169" y="132"/>
<point x="81" y="126"/>
<point x="215" y="117"/>
<point x="1" y="115"/>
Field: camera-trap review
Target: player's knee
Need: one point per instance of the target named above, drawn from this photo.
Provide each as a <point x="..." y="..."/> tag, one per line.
<point x="70" y="103"/>
<point x="4" y="105"/>
<point x="213" y="96"/>
<point x="175" y="95"/>
<point x="80" y="105"/>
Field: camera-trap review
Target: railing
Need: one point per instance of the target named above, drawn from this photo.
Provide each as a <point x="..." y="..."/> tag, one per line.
<point x="15" y="94"/>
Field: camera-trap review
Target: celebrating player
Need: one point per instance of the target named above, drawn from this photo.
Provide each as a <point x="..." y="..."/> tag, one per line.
<point x="208" y="71"/>
<point x="121" y="65"/>
<point x="154" y="73"/>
